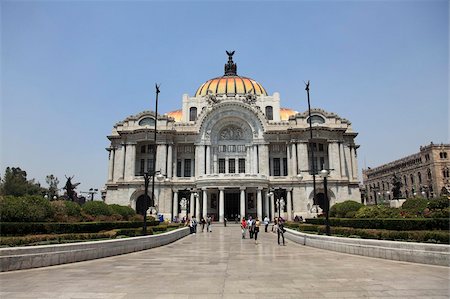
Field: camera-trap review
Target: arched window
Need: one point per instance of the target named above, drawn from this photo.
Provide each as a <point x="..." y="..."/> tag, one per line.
<point x="429" y="174"/>
<point x="269" y="112"/>
<point x="148" y="121"/>
<point x="412" y="179"/>
<point x="446" y="173"/>
<point x="193" y="114"/>
<point x="419" y="176"/>
<point x="316" y="119"/>
<point x="406" y="181"/>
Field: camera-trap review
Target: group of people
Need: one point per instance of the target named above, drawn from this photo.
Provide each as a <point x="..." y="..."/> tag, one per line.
<point x="192" y="223"/>
<point x="252" y="226"/>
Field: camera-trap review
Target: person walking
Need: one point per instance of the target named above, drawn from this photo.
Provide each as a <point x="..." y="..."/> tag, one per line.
<point x="203" y="222"/>
<point x="208" y="223"/>
<point x="256" y="229"/>
<point x="266" y="223"/>
<point x="194" y="224"/>
<point x="250" y="226"/>
<point x="281" y="231"/>
<point x="243" y="227"/>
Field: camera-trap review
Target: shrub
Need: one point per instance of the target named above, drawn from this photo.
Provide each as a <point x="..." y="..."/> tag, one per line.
<point x="124" y="211"/>
<point x="414" y="207"/>
<point x="416" y="236"/>
<point x="20" y="228"/>
<point x="384" y="223"/>
<point x="346" y="209"/>
<point x="97" y="208"/>
<point x="26" y="208"/>
<point x="377" y="212"/>
<point x="438" y="203"/>
<point x="73" y="209"/>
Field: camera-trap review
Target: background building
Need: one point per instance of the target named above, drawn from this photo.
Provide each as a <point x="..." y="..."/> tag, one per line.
<point x="226" y="149"/>
<point x="425" y="174"/>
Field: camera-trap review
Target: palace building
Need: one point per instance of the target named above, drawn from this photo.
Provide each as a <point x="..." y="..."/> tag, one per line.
<point x="232" y="150"/>
<point x="423" y="174"/>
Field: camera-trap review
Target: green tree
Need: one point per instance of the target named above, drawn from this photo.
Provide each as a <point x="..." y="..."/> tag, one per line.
<point x="15" y="183"/>
<point x="52" y="182"/>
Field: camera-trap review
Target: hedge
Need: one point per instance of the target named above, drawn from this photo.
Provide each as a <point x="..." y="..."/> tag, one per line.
<point x="435" y="236"/>
<point x="346" y="209"/>
<point x="25" y="208"/>
<point x="400" y="224"/>
<point x="33" y="239"/>
<point x="24" y="228"/>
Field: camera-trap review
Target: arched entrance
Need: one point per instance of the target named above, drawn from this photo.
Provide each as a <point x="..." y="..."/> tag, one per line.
<point x="320" y="200"/>
<point x="141" y="203"/>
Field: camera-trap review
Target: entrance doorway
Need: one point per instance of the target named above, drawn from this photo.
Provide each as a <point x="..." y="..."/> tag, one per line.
<point x="320" y="197"/>
<point x="231" y="206"/>
<point x="141" y="203"/>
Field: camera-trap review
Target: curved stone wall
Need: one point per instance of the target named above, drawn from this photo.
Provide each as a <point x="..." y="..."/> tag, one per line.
<point x="19" y="258"/>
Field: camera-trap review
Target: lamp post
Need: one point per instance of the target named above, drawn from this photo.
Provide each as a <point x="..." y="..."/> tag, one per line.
<point x="311" y="148"/>
<point x="153" y="172"/>
<point x="324" y="174"/>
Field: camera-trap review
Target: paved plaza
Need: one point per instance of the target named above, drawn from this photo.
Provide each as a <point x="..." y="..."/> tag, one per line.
<point x="220" y="264"/>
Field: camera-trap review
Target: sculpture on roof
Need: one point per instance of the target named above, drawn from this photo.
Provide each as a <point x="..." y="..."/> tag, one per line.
<point x="230" y="67"/>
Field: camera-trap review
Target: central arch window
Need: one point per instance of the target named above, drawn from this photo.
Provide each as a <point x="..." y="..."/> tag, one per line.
<point x="148" y="121"/>
<point x="269" y="112"/>
<point x="316" y="119"/>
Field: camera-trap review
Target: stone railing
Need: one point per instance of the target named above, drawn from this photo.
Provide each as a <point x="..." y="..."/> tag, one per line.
<point x="19" y="258"/>
<point x="432" y="254"/>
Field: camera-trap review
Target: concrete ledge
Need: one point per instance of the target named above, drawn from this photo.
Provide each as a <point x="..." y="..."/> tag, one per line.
<point x="18" y="258"/>
<point x="432" y="254"/>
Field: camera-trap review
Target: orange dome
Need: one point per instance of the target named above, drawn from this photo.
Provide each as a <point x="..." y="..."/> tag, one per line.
<point x="231" y="85"/>
<point x="286" y="112"/>
<point x="177" y="115"/>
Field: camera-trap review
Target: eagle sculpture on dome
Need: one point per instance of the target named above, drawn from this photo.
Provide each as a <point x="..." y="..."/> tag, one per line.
<point x="230" y="67"/>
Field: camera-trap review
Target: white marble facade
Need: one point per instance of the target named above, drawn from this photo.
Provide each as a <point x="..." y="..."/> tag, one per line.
<point x="226" y="149"/>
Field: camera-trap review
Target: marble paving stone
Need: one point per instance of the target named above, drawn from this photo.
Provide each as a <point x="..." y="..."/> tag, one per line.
<point x="222" y="265"/>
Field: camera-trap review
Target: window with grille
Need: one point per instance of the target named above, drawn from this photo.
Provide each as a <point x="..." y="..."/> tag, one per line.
<point x="193" y="114"/>
<point x="276" y="167"/>
<point x="221" y="165"/>
<point x="179" y="168"/>
<point x="231" y="166"/>
<point x="285" y="167"/>
<point x="269" y="112"/>
<point x="241" y="165"/>
<point x="187" y="167"/>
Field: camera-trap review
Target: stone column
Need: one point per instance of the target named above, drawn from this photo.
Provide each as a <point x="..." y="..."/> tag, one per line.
<point x="227" y="170"/>
<point x="208" y="159"/>
<point x="303" y="158"/>
<point x="119" y="162"/>
<point x="130" y="161"/>
<point x="215" y="168"/>
<point x="242" y="202"/>
<point x="259" y="204"/>
<point x="264" y="160"/>
<point x="289" y="204"/>
<point x="354" y="162"/>
<point x="255" y="159"/>
<point x="192" y="204"/>
<point x="160" y="163"/>
<point x="247" y="160"/>
<point x="333" y="159"/>
<point x="175" y="205"/>
<point x="175" y="160"/>
<point x="272" y="208"/>
<point x="221" y="204"/>
<point x="112" y="151"/>
<point x="205" y="203"/>
<point x="292" y="168"/>
<point x="197" y="207"/>
<point x="169" y="161"/>
<point x="200" y="160"/>
<point x="347" y="161"/>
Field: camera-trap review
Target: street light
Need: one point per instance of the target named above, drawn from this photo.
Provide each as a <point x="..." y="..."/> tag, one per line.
<point x="147" y="175"/>
<point x="310" y="144"/>
<point x="324" y="174"/>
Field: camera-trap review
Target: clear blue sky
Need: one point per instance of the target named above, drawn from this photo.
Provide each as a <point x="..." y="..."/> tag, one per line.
<point x="71" y="69"/>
